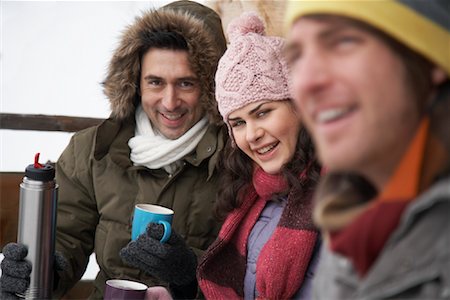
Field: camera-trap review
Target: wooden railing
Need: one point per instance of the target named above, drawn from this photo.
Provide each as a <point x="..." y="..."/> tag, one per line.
<point x="9" y="206"/>
<point x="45" y="122"/>
<point x="9" y="181"/>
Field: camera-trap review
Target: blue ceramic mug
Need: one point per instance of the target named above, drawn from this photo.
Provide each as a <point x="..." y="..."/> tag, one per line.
<point x="150" y="213"/>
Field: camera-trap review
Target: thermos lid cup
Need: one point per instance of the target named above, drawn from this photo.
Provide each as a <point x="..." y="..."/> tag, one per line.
<point x="40" y="172"/>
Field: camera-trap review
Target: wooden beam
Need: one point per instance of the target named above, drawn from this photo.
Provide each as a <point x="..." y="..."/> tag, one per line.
<point x="45" y="122"/>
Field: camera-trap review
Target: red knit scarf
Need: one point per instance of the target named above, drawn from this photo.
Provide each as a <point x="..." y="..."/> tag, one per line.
<point x="283" y="260"/>
<point x="364" y="238"/>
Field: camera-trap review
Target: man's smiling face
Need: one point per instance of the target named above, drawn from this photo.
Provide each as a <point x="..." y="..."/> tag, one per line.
<point x="170" y="92"/>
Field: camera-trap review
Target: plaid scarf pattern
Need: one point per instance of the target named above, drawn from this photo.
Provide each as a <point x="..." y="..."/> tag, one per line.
<point x="282" y="262"/>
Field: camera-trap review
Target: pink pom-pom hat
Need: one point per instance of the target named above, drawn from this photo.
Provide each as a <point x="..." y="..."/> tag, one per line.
<point x="253" y="67"/>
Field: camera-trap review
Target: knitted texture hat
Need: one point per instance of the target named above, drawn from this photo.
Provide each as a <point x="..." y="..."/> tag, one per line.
<point x="252" y="69"/>
<point x="422" y="26"/>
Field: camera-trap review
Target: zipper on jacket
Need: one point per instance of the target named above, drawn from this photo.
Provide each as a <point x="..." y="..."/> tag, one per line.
<point x="171" y="178"/>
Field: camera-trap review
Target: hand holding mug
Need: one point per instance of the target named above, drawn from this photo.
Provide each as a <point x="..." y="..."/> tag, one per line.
<point x="158" y="293"/>
<point x="173" y="261"/>
<point x="149" y="213"/>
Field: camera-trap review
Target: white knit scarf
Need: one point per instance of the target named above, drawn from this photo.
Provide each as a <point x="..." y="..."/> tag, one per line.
<point x="154" y="151"/>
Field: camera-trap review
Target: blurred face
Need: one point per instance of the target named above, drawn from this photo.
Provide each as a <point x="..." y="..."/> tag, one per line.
<point x="170" y="92"/>
<point x="353" y="95"/>
<point x="267" y="132"/>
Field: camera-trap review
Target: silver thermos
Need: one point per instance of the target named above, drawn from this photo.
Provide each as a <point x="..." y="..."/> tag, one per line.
<point x="37" y="223"/>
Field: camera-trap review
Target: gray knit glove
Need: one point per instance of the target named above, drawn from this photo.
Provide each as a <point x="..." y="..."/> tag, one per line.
<point x="16" y="270"/>
<point x="173" y="262"/>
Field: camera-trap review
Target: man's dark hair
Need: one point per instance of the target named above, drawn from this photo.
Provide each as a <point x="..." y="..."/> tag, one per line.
<point x="168" y="40"/>
<point x="162" y="40"/>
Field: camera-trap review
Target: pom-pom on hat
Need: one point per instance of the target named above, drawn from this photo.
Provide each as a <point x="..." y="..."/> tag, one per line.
<point x="253" y="67"/>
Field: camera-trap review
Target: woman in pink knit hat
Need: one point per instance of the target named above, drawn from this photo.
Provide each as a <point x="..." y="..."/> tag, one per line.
<point x="267" y="245"/>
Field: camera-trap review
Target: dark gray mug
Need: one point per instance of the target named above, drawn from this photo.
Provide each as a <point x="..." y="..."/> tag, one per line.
<point x="121" y="289"/>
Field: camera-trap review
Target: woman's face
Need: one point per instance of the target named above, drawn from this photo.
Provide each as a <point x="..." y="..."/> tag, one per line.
<point x="267" y="132"/>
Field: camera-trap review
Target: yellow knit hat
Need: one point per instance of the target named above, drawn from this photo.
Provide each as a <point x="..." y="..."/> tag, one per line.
<point x="423" y="26"/>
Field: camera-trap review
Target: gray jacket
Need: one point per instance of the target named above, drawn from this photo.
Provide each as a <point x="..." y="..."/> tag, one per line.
<point x="414" y="264"/>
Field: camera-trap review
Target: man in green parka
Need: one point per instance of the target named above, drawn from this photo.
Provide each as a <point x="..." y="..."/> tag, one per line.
<point x="159" y="146"/>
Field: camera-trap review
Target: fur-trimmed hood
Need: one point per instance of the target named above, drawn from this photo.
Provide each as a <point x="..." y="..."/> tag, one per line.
<point x="202" y="29"/>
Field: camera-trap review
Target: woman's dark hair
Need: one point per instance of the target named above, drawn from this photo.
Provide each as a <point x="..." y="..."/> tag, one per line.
<point x="237" y="169"/>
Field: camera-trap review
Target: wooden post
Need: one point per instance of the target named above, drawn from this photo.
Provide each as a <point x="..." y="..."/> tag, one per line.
<point x="46" y="122"/>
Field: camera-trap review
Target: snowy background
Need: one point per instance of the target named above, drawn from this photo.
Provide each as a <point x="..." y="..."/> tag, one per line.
<point x="53" y="56"/>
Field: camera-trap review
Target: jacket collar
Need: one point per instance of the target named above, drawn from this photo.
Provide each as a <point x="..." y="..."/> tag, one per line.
<point x="395" y="263"/>
<point x="113" y="135"/>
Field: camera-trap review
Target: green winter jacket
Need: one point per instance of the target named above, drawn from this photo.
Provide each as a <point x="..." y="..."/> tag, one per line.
<point x="99" y="187"/>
